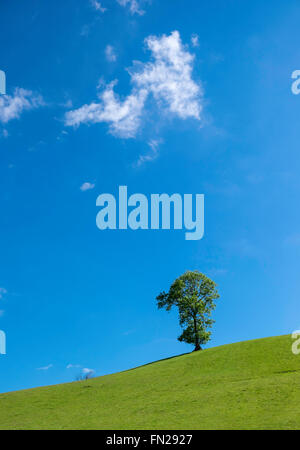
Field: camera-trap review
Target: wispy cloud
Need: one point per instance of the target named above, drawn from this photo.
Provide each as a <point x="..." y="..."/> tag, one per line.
<point x="85" y="30"/>
<point x="97" y="6"/>
<point x="195" y="40"/>
<point x="87" y="186"/>
<point x="45" y="367"/>
<point x="134" y="6"/>
<point x="73" y="366"/>
<point x="3" y="291"/>
<point x="150" y="156"/>
<point x="67" y="104"/>
<point x="2" y="312"/>
<point x="12" y="106"/>
<point x="167" y="77"/>
<point x="110" y="53"/>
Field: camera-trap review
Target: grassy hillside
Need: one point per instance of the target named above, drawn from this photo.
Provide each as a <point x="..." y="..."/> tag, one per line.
<point x="248" y="385"/>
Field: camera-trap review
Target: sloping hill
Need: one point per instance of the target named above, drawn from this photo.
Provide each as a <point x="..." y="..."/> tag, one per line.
<point x="248" y="385"/>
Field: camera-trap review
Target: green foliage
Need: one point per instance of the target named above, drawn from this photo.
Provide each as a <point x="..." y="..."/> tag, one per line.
<point x="194" y="294"/>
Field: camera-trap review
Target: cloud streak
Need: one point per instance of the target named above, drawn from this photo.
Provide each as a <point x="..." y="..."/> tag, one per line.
<point x="150" y="156"/>
<point x="134" y="6"/>
<point x="45" y="367"/>
<point x="98" y="6"/>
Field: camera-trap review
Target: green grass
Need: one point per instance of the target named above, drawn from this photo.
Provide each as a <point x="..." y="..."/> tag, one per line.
<point x="248" y="385"/>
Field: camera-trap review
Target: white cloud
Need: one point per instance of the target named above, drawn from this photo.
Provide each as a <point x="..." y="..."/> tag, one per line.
<point x="97" y="6"/>
<point x="73" y="366"/>
<point x="12" y="106"/>
<point x="2" y="292"/>
<point x="87" y="186"/>
<point x="168" y="77"/>
<point x="110" y="53"/>
<point x="88" y="373"/>
<point x="123" y="117"/>
<point x="134" y="6"/>
<point x="195" y="40"/>
<point x="151" y="156"/>
<point x="86" y="370"/>
<point x="45" y="367"/>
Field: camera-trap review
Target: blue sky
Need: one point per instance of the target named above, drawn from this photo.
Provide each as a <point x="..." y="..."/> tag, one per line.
<point x="187" y="97"/>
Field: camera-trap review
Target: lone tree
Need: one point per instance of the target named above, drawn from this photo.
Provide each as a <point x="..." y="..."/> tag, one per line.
<point x="193" y="293"/>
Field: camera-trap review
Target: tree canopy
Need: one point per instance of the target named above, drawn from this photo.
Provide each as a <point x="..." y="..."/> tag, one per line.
<point x="194" y="294"/>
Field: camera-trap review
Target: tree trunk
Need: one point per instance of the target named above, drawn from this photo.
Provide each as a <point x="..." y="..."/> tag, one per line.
<point x="197" y="344"/>
<point x="197" y="347"/>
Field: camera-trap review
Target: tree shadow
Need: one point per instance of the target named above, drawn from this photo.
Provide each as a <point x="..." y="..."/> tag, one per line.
<point x="158" y="360"/>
